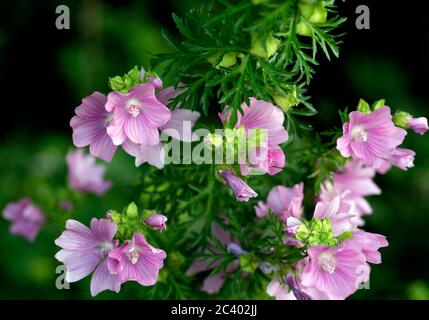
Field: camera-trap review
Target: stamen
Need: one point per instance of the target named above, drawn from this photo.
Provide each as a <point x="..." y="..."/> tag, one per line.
<point x="133" y="107"/>
<point x="359" y="134"/>
<point x="327" y="262"/>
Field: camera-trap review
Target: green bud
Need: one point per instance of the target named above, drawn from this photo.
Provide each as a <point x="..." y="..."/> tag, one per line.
<point x="213" y="140"/>
<point x="264" y="47"/>
<point x="378" y="104"/>
<point x="249" y="262"/>
<point x="115" y="217"/>
<point x="129" y="80"/>
<point x="317" y="232"/>
<point x="132" y="211"/>
<point x="363" y="107"/>
<point x="400" y="119"/>
<point x="286" y="101"/>
<point x="228" y="60"/>
<point x="116" y="84"/>
<point x="303" y="30"/>
<point x="313" y="11"/>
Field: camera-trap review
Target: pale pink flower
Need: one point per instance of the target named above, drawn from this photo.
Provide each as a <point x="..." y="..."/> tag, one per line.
<point x="89" y="127"/>
<point x="357" y="179"/>
<point x="284" y="202"/>
<point x="179" y="127"/>
<point x="85" y="250"/>
<point x="26" y="218"/>
<point x="338" y="213"/>
<point x="157" y="222"/>
<point x="370" y="137"/>
<point x="262" y="115"/>
<point x="273" y="162"/>
<point x="418" y="125"/>
<point x="280" y="291"/>
<point x="137" y="115"/>
<point x="84" y="174"/>
<point x="241" y="190"/>
<point x="369" y="243"/>
<point x="400" y="158"/>
<point x="337" y="272"/>
<point x="136" y="260"/>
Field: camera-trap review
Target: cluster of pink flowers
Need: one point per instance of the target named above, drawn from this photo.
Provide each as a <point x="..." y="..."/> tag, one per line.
<point x="86" y="250"/>
<point x="132" y="120"/>
<point x="268" y="157"/>
<point x="374" y="139"/>
<point x="329" y="271"/>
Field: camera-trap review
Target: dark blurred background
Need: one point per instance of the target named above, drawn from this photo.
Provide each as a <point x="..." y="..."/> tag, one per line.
<point x="45" y="72"/>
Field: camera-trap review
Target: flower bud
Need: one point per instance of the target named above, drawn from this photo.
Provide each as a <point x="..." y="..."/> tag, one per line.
<point x="286" y="101"/>
<point x="400" y="119"/>
<point x="157" y="222"/>
<point x="264" y="47"/>
<point x="228" y="60"/>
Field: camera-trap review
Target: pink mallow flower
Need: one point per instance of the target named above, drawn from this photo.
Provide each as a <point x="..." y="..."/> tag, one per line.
<point x="338" y="213"/>
<point x="369" y="243"/>
<point x="400" y="158"/>
<point x="26" y="218"/>
<point x="84" y="174"/>
<point x="136" y="260"/>
<point x="370" y="137"/>
<point x="85" y="250"/>
<point x="337" y="272"/>
<point x="241" y="190"/>
<point x="157" y="222"/>
<point x="418" y="125"/>
<point x="137" y="115"/>
<point x="357" y="179"/>
<point x="262" y="115"/>
<point x="284" y="202"/>
<point x="89" y="127"/>
<point x="179" y="127"/>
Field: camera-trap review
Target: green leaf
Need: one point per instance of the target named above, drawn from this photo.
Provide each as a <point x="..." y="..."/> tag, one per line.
<point x="249" y="262"/>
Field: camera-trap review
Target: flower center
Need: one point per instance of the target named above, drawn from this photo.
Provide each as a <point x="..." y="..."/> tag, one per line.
<point x="105" y="247"/>
<point x="327" y="262"/>
<point x="133" y="255"/>
<point x="359" y="134"/>
<point x="133" y="107"/>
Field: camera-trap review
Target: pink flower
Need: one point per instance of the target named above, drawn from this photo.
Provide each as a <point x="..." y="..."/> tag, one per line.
<point x="157" y="222"/>
<point x="26" y="218"/>
<point x="84" y="174"/>
<point x="242" y="191"/>
<point x="280" y="291"/>
<point x="272" y="163"/>
<point x="338" y="212"/>
<point x="179" y="127"/>
<point x="137" y="115"/>
<point x="419" y="125"/>
<point x="337" y="272"/>
<point x="359" y="181"/>
<point x="369" y="243"/>
<point x="283" y="201"/>
<point x="213" y="283"/>
<point x="262" y="115"/>
<point x="401" y="158"/>
<point x="89" y="127"/>
<point x="85" y="250"/>
<point x="136" y="260"/>
<point x="370" y="137"/>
